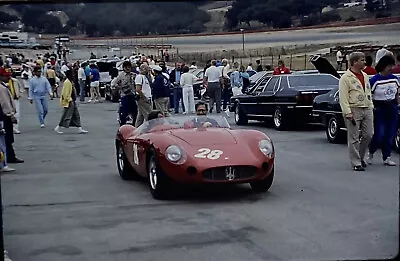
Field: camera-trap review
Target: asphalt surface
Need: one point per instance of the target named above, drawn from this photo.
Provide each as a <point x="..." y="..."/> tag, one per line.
<point x="67" y="202"/>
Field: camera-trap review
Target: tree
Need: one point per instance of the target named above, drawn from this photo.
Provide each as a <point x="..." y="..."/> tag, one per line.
<point x="6" y="18"/>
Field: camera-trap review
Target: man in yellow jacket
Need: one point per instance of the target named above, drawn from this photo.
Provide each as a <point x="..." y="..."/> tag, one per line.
<point x="70" y="116"/>
<point x="356" y="102"/>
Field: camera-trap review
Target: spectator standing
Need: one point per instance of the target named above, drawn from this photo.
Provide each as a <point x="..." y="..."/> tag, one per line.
<point x="94" y="84"/>
<point x="125" y="82"/>
<point x="175" y="77"/>
<point x="213" y="78"/>
<point x="369" y="69"/>
<point x="380" y="53"/>
<point x="82" y="82"/>
<point x="39" y="88"/>
<point x="236" y="80"/>
<point x="250" y="67"/>
<point x="259" y="66"/>
<point x="246" y="79"/>
<point x="87" y="73"/>
<point x="396" y="69"/>
<point x="16" y="91"/>
<point x="161" y="90"/>
<point x="187" y="81"/>
<point x="143" y="89"/>
<point x="70" y="116"/>
<point x="225" y="68"/>
<point x="51" y="77"/>
<point x="9" y="111"/>
<point x="193" y="66"/>
<point x="356" y="102"/>
<point x="26" y="75"/>
<point x="340" y="56"/>
<point x="281" y="69"/>
<point x="385" y="95"/>
<point x="3" y="148"/>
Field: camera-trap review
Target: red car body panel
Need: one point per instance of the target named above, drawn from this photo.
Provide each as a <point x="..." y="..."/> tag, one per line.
<point x="238" y="147"/>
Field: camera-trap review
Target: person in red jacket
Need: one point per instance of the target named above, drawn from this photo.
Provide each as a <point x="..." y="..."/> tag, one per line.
<point x="368" y="66"/>
<point x="281" y="69"/>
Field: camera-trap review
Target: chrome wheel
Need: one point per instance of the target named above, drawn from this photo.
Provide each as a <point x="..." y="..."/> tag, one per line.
<point x="332" y="128"/>
<point x="237" y="113"/>
<point x="397" y="140"/>
<point x="121" y="158"/>
<point x="278" y="118"/>
<point x="153" y="173"/>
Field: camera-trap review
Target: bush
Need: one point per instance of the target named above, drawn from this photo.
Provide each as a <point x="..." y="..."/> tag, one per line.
<point x="382" y="15"/>
<point x="351" y="19"/>
<point x="331" y="16"/>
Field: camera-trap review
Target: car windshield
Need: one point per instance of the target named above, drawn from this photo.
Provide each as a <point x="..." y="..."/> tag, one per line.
<point x="312" y="80"/>
<point x="182" y="122"/>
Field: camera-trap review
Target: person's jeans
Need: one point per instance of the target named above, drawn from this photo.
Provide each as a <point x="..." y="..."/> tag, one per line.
<point x="225" y="97"/>
<point x="385" y="127"/>
<point x="4" y="150"/>
<point x="82" y="84"/>
<point x="42" y="107"/>
<point x="178" y="97"/>
<point x="128" y="106"/>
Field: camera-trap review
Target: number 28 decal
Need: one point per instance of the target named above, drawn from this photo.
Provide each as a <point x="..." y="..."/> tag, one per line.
<point x="209" y="154"/>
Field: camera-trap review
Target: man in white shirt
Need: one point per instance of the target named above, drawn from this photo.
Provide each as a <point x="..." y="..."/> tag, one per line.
<point x="145" y="105"/>
<point x="82" y="81"/>
<point x="339" y="58"/>
<point x="213" y="78"/>
<point x="25" y="76"/>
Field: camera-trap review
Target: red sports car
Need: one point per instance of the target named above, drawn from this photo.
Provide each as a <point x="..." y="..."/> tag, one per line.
<point x="194" y="149"/>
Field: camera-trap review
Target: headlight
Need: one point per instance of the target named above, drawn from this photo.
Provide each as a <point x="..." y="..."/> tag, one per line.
<point x="266" y="147"/>
<point x="175" y="154"/>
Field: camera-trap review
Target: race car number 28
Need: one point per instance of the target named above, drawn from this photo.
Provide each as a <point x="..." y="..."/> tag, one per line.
<point x="209" y="154"/>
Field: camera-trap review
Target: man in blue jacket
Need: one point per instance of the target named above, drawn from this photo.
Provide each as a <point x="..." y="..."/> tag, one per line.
<point x="161" y="90"/>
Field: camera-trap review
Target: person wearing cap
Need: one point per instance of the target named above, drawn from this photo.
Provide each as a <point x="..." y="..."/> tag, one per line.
<point x="39" y="88"/>
<point x="385" y="95"/>
<point x="70" y="116"/>
<point x="355" y="99"/>
<point x="125" y="83"/>
<point x="144" y="97"/>
<point x="380" y="53"/>
<point x="8" y="115"/>
<point x="161" y="90"/>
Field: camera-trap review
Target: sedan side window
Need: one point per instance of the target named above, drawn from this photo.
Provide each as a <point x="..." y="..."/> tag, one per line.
<point x="260" y="87"/>
<point x="271" y="84"/>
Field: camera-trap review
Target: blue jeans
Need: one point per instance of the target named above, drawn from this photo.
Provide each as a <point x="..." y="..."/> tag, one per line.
<point x="385" y="127"/>
<point x="178" y="96"/>
<point x="42" y="107"/>
<point x="3" y="148"/>
<point x="127" y="107"/>
<point x="82" y="85"/>
<point x="225" y="97"/>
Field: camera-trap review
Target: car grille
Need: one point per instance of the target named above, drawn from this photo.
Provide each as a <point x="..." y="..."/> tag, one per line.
<point x="230" y="173"/>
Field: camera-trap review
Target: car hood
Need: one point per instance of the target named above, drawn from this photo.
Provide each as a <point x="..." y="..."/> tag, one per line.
<point x="200" y="136"/>
<point x="323" y="65"/>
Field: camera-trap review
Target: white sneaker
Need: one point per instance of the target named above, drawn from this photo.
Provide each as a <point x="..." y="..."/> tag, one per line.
<point x="57" y="129"/>
<point x="7" y="169"/>
<point x="82" y="131"/>
<point x="389" y="162"/>
<point x="17" y="131"/>
<point x="370" y="158"/>
<point x="6" y="258"/>
<point x="89" y="101"/>
<point x="41" y="125"/>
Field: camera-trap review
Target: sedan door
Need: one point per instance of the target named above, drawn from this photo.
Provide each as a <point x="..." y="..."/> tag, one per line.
<point x="267" y="97"/>
<point x="251" y="103"/>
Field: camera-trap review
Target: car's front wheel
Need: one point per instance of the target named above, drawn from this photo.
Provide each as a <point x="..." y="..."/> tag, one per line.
<point x="158" y="181"/>
<point x="333" y="132"/>
<point x="240" y="116"/>
<point x="280" y="119"/>
<point x="125" y="170"/>
<point x="397" y="141"/>
<point x="263" y="185"/>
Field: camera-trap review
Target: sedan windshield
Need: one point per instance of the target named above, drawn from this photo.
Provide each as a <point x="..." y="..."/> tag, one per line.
<point x="184" y="122"/>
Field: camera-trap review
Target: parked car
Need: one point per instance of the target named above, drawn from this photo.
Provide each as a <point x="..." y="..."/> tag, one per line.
<point x="287" y="99"/>
<point x="327" y="110"/>
<point x="175" y="149"/>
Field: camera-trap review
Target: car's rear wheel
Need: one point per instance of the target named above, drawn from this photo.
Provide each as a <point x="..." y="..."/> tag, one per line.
<point x="333" y="132"/>
<point x="263" y="185"/>
<point x="397" y="141"/>
<point x="125" y="170"/>
<point x="240" y="116"/>
<point x="158" y="181"/>
<point x="280" y="119"/>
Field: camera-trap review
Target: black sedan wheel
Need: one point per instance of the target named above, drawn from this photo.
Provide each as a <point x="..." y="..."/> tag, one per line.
<point x="263" y="185"/>
<point x="240" y="116"/>
<point x="158" y="182"/>
<point x="280" y="119"/>
<point x="333" y="132"/>
<point x="397" y="141"/>
<point x="125" y="170"/>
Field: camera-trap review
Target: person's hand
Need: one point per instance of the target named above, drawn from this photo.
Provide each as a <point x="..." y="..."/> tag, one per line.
<point x="349" y="116"/>
<point x="207" y="124"/>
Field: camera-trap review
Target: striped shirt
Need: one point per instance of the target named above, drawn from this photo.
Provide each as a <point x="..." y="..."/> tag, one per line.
<point x="384" y="88"/>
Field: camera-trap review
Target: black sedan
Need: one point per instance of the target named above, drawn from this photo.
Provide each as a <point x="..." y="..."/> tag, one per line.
<point x="287" y="99"/>
<point x="327" y="111"/>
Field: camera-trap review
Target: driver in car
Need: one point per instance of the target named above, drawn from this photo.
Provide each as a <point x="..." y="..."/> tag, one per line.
<point x="205" y="122"/>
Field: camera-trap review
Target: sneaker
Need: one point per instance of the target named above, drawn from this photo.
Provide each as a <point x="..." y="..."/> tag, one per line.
<point x="41" y="125"/>
<point x="370" y="158"/>
<point x="363" y="164"/>
<point x="17" y="131"/>
<point x="358" y="168"/>
<point x="389" y="162"/>
<point x="89" y="101"/>
<point x="6" y="258"/>
<point x="7" y="169"/>
<point x="82" y="131"/>
<point x="57" y="129"/>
